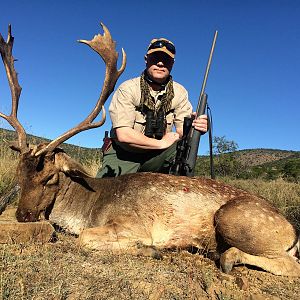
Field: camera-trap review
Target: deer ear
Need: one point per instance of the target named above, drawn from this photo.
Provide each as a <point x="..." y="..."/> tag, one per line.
<point x="69" y="166"/>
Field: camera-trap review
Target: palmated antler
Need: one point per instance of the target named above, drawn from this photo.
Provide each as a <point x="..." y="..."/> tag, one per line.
<point x="106" y="48"/>
<point x="8" y="61"/>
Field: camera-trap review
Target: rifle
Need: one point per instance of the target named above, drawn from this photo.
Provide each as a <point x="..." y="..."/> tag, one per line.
<point x="187" y="147"/>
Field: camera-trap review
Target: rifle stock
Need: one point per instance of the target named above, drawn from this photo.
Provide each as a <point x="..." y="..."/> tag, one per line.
<point x="195" y="140"/>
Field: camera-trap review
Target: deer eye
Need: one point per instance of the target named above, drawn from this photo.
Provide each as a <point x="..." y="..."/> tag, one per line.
<point x="40" y="165"/>
<point x="51" y="179"/>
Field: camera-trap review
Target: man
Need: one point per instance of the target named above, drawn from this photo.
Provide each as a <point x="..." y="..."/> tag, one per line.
<point x="143" y="111"/>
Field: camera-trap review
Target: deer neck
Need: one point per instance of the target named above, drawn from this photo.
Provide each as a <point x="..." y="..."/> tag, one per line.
<point x="73" y="204"/>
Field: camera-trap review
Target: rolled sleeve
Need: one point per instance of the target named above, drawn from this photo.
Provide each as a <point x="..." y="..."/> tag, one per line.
<point x="122" y="108"/>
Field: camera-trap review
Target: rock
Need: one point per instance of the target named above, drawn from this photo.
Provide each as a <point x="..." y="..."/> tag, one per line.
<point x="13" y="232"/>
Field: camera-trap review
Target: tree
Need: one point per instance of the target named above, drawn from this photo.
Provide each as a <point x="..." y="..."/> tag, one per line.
<point x="221" y="145"/>
<point x="226" y="163"/>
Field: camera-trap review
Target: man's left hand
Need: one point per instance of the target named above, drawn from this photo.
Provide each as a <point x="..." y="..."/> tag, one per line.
<point x="201" y="123"/>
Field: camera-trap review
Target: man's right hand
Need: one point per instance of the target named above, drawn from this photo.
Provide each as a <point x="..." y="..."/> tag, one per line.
<point x="169" y="139"/>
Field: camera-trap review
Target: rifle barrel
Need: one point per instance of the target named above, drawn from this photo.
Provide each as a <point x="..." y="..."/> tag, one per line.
<point x="207" y="70"/>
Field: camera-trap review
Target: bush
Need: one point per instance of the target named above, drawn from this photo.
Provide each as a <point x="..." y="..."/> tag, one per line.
<point x="291" y="170"/>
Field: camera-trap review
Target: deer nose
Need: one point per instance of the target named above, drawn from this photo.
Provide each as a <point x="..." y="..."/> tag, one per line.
<point x="25" y="216"/>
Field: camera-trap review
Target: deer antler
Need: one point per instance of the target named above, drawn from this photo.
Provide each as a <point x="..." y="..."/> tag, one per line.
<point x="8" y="61"/>
<point x="106" y="48"/>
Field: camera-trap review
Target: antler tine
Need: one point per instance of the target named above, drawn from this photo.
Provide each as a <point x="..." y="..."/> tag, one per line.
<point x="15" y="88"/>
<point x="106" y="48"/>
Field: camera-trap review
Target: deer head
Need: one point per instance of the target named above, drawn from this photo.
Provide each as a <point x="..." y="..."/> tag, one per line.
<point x="39" y="166"/>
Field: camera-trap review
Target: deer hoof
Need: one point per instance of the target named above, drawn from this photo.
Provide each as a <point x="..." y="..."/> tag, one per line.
<point x="226" y="267"/>
<point x="228" y="259"/>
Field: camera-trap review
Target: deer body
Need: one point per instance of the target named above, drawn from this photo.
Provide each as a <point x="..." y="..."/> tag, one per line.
<point x="158" y="210"/>
<point x="162" y="214"/>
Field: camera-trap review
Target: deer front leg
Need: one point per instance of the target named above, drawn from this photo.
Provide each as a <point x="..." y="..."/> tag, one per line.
<point x="110" y="238"/>
<point x="282" y="265"/>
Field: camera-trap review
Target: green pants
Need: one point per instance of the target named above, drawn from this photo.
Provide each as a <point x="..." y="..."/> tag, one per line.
<point x="117" y="161"/>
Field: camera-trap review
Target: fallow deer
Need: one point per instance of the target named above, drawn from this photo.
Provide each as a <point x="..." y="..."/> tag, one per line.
<point x="156" y="210"/>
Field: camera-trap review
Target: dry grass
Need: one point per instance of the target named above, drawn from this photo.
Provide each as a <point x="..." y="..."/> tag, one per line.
<point x="62" y="270"/>
<point x="8" y="163"/>
<point x="93" y="166"/>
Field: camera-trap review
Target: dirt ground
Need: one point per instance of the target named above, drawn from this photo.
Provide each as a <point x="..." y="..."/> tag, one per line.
<point x="63" y="270"/>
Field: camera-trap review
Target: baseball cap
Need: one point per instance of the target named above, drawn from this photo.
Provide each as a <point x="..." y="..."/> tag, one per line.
<point x="163" y="45"/>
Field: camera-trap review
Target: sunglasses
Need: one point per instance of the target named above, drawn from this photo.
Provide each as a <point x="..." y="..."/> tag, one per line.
<point x="161" y="44"/>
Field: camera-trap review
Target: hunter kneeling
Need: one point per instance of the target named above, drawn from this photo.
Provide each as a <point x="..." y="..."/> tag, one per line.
<point x="143" y="111"/>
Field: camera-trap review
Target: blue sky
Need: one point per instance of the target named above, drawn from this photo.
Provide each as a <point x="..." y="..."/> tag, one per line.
<point x="253" y="87"/>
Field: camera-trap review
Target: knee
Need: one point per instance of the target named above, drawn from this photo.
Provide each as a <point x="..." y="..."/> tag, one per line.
<point x="229" y="258"/>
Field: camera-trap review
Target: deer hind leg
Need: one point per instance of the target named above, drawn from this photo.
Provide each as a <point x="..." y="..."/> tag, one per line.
<point x="282" y="265"/>
<point x="108" y="238"/>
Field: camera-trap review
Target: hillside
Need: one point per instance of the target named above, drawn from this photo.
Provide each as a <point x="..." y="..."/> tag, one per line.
<point x="81" y="154"/>
<point x="256" y="157"/>
<point x="249" y="159"/>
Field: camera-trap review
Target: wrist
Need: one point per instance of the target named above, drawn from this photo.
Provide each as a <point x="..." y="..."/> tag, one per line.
<point x="157" y="144"/>
<point x="161" y="144"/>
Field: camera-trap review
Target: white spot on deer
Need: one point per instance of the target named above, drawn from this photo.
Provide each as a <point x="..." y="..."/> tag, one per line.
<point x="247" y="214"/>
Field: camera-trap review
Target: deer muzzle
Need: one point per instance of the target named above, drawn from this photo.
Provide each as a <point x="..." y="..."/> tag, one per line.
<point x="27" y="215"/>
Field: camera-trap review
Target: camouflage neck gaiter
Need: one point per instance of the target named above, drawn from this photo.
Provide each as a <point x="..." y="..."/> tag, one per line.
<point x="148" y="102"/>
